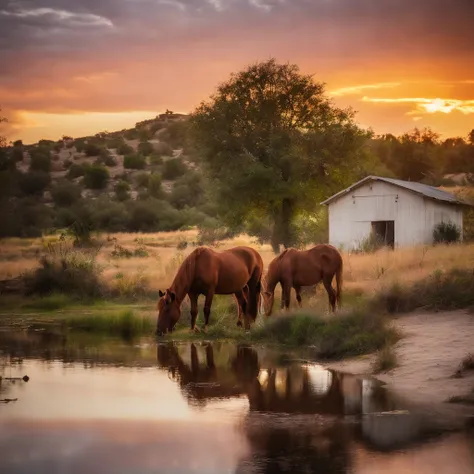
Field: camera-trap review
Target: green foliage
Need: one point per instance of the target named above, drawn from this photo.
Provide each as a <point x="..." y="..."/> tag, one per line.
<point x="173" y="168"/>
<point x="106" y="158"/>
<point x="65" y="194"/>
<point x="124" y="149"/>
<point x="79" y="145"/>
<point x="66" y="270"/>
<point x="40" y="159"/>
<point x="154" y="185"/>
<point x="134" y="162"/>
<point x="92" y="149"/>
<point x="96" y="177"/>
<point x="272" y="141"/>
<point x="51" y="302"/>
<point x="355" y="333"/>
<point x="76" y="170"/>
<point x="115" y="142"/>
<point x="122" y="190"/>
<point x="125" y="324"/>
<point x="34" y="182"/>
<point x="176" y="134"/>
<point x="142" y="179"/>
<point x="145" y="148"/>
<point x="449" y="290"/>
<point x="156" y="159"/>
<point x="446" y="233"/>
<point x="17" y="153"/>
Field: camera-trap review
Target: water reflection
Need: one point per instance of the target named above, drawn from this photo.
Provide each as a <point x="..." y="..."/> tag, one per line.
<point x="102" y="405"/>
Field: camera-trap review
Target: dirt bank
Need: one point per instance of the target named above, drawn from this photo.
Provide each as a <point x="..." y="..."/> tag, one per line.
<point x="428" y="356"/>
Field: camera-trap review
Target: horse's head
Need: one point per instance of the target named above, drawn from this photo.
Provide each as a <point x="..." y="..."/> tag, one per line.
<point x="268" y="299"/>
<point x="169" y="312"/>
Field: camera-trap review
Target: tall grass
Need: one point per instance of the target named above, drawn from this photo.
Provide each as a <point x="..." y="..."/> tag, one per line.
<point x="125" y="324"/>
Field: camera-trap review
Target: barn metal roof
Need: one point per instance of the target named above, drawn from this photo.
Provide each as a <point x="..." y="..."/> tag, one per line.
<point x="418" y="188"/>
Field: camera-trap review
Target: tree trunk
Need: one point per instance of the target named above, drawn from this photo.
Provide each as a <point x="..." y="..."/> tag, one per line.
<point x="275" y="239"/>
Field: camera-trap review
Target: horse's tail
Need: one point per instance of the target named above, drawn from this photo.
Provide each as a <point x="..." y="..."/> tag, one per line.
<point x="339" y="283"/>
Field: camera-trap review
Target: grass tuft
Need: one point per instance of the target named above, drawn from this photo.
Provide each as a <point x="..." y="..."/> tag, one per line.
<point x="386" y="359"/>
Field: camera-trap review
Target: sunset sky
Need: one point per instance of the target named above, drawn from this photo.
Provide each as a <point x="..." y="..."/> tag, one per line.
<point x="77" y="67"/>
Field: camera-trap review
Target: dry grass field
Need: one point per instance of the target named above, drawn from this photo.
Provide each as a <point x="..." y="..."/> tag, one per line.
<point x="155" y="257"/>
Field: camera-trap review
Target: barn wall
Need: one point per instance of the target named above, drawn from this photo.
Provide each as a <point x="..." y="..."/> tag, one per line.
<point x="350" y="216"/>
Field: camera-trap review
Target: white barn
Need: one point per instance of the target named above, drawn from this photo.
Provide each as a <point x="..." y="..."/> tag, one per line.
<point x="402" y="213"/>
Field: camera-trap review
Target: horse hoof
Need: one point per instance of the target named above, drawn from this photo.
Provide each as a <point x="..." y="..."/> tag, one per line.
<point x="239" y="324"/>
<point x="194" y="330"/>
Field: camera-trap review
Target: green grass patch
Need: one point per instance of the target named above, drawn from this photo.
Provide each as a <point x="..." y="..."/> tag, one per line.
<point x="125" y="324"/>
<point x="52" y="302"/>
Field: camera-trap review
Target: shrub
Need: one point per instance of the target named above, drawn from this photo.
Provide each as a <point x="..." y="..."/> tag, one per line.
<point x="115" y="142"/>
<point x="440" y="291"/>
<point x="76" y="170"/>
<point x="40" y="160"/>
<point x="124" y="149"/>
<point x="105" y="158"/>
<point x="132" y="286"/>
<point x="79" y="145"/>
<point x="145" y="148"/>
<point x="122" y="189"/>
<point x="370" y="244"/>
<point x="96" y="177"/>
<point x="135" y="162"/>
<point x="92" y="149"/>
<point x="65" y="194"/>
<point x="173" y="168"/>
<point x="142" y="180"/>
<point x="446" y="233"/>
<point x="386" y="359"/>
<point x="109" y="215"/>
<point x="17" y="153"/>
<point x="154" y="185"/>
<point x="66" y="270"/>
<point x="67" y="164"/>
<point x="34" y="182"/>
<point x="156" y="159"/>
<point x="163" y="148"/>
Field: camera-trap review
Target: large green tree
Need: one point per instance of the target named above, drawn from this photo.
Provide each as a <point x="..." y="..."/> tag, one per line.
<point x="274" y="145"/>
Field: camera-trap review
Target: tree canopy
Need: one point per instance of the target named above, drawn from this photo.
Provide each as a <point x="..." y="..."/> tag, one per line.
<point x="274" y="145"/>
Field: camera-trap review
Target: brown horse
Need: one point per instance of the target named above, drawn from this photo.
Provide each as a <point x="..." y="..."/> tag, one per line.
<point x="297" y="268"/>
<point x="235" y="271"/>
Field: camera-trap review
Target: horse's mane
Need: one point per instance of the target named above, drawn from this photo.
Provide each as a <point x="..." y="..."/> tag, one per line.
<point x="274" y="267"/>
<point x="185" y="274"/>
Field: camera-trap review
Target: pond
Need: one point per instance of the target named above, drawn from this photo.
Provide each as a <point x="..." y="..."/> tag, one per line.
<point x="108" y="406"/>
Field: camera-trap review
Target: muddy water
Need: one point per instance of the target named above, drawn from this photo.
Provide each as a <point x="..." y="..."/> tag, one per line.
<point x="106" y="406"/>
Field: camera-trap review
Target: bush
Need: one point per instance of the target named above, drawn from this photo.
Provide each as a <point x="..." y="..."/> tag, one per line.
<point x="173" y="168"/>
<point x="67" y="164"/>
<point x="131" y="286"/>
<point x="79" y="145"/>
<point x="17" y="154"/>
<point x="142" y="180"/>
<point x="440" y="291"/>
<point x="92" y="149"/>
<point x="124" y="149"/>
<point x="65" y="194"/>
<point x="135" y="162"/>
<point x="109" y="215"/>
<point x="96" y="177"/>
<point x="66" y="270"/>
<point x="154" y="186"/>
<point x="76" y="170"/>
<point x="145" y="148"/>
<point x="446" y="233"/>
<point x="122" y="189"/>
<point x="34" y="182"/>
<point x="106" y="158"/>
<point x="40" y="161"/>
<point x="115" y="142"/>
<point x="163" y="148"/>
<point x="156" y="159"/>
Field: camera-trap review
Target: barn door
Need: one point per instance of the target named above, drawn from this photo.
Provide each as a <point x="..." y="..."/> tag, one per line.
<point x="384" y="231"/>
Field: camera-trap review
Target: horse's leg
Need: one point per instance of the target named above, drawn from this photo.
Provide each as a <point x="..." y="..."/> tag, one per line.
<point x="193" y="297"/>
<point x="298" y="295"/>
<point x="242" y="303"/>
<point x="207" y="307"/>
<point x="286" y="294"/>
<point x="327" y="282"/>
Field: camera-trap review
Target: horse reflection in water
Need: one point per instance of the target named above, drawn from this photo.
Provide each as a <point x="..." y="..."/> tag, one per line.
<point x="295" y="388"/>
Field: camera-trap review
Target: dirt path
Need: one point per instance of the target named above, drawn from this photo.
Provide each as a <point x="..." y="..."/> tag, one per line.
<point x="433" y="346"/>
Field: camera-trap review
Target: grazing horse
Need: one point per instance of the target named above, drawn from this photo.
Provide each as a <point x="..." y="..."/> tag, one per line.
<point x="297" y="268"/>
<point x="235" y="271"/>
